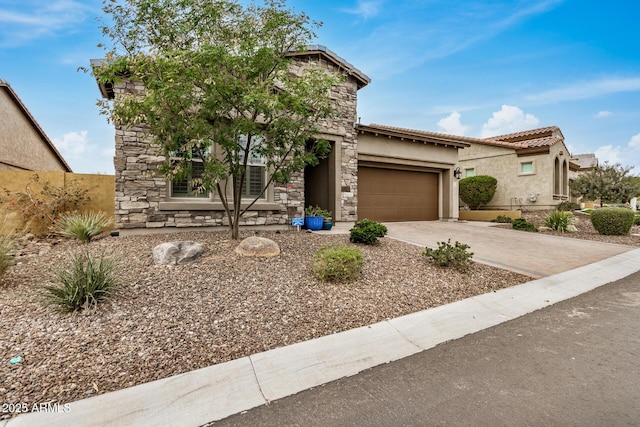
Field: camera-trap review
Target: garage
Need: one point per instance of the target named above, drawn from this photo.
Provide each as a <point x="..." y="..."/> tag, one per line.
<point x="386" y="194"/>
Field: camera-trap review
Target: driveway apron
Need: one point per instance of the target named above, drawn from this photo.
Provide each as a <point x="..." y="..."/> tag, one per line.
<point x="534" y="254"/>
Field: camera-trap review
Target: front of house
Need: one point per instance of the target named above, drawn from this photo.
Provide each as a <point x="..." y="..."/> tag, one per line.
<point x="372" y="171"/>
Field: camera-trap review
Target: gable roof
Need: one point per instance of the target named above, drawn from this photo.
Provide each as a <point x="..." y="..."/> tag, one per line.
<point x="585" y="161"/>
<point x="106" y="89"/>
<point x="415" y="135"/>
<point x="331" y="56"/>
<point x="32" y="121"/>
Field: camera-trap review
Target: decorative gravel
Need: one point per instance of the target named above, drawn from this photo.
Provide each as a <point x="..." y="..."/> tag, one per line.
<point x="168" y="320"/>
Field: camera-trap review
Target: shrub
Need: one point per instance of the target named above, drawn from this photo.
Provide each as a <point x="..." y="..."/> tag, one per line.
<point x="367" y="231"/>
<point x="558" y="220"/>
<point x="636" y="221"/>
<point x="41" y="204"/>
<point x="612" y="221"/>
<point x="337" y="263"/>
<point x="477" y="191"/>
<point x="82" y="226"/>
<point x="523" y="225"/>
<point x="502" y="219"/>
<point x="447" y="255"/>
<point x="83" y="284"/>
<point x="567" y="206"/>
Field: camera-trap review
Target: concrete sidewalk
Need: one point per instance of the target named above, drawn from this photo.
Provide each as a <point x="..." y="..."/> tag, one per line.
<point x="215" y="392"/>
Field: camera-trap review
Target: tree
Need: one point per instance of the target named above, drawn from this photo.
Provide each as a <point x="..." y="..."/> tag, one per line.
<point x="609" y="183"/>
<point x="477" y="191"/>
<point x="218" y="89"/>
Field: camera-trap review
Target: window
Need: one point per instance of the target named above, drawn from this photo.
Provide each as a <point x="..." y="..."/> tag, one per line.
<point x="526" y="168"/>
<point x="185" y="187"/>
<point x="255" y="177"/>
<point x="469" y="172"/>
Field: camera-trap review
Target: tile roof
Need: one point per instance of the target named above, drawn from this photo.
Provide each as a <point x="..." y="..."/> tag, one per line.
<point x="585" y="161"/>
<point x="418" y="135"/>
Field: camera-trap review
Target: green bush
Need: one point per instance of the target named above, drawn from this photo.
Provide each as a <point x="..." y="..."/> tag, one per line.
<point x="558" y="220"/>
<point x="477" y="191"/>
<point x="367" y="231"/>
<point x="82" y="226"/>
<point x="503" y="219"/>
<point x="567" y="206"/>
<point x="523" y="225"/>
<point x="636" y="221"/>
<point x="612" y="221"/>
<point x="83" y="284"/>
<point x="447" y="255"/>
<point x="337" y="263"/>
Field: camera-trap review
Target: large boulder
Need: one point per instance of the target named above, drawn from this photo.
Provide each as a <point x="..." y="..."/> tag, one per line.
<point x="258" y="247"/>
<point x="177" y="252"/>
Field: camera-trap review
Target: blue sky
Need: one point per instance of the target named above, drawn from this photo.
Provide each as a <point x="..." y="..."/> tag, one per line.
<point x="469" y="67"/>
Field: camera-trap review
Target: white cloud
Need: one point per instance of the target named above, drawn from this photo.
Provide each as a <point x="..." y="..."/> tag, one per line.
<point x="508" y="120"/>
<point x="603" y="114"/>
<point x="635" y="141"/>
<point x="608" y="153"/>
<point x="32" y="19"/>
<point x="365" y="9"/>
<point x="73" y="145"/>
<point x="452" y="125"/>
<point x="588" y="89"/>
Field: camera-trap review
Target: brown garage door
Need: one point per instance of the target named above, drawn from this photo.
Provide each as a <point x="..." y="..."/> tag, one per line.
<point x="397" y="195"/>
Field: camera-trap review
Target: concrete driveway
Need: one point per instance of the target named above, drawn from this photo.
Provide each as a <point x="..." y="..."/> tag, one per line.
<point x="534" y="254"/>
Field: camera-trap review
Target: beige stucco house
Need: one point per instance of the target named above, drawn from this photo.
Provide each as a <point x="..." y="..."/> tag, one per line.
<point x="23" y="143"/>
<point x="374" y="171"/>
<point x="532" y="167"/>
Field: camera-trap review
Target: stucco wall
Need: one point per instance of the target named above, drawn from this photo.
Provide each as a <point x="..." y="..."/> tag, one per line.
<point x="143" y="198"/>
<point x="101" y="189"/>
<point x="514" y="189"/>
<point x="21" y="146"/>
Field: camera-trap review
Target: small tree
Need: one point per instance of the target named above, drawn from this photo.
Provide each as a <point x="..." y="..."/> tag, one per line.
<point x="217" y="74"/>
<point x="609" y="183"/>
<point x="477" y="191"/>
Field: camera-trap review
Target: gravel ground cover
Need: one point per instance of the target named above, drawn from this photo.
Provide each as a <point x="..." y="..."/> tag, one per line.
<point x="169" y="320"/>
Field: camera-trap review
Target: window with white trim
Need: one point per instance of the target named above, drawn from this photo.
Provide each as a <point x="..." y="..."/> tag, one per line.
<point x="256" y="174"/>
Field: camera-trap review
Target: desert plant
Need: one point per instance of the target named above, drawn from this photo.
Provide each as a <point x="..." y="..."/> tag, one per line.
<point x="503" y="219"/>
<point x="558" y="220"/>
<point x="567" y="206"/>
<point x="612" y="221"/>
<point x="82" y="226"/>
<point x="448" y="255"/>
<point x="337" y="263"/>
<point x="523" y="225"/>
<point x="477" y="191"/>
<point x="83" y="284"/>
<point x="367" y="231"/>
<point x="42" y="203"/>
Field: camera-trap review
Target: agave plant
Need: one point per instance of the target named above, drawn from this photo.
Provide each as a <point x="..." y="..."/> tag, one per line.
<point x="82" y="225"/>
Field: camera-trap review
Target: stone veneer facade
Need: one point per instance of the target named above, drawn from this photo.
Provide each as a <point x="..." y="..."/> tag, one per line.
<point x="143" y="196"/>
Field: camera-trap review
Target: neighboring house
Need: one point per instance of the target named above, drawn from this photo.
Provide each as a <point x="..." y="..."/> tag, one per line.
<point x="379" y="172"/>
<point x="23" y="143"/>
<point x="582" y="163"/>
<point x="532" y="167"/>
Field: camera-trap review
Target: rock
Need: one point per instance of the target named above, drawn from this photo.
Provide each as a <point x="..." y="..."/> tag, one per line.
<point x="258" y="247"/>
<point x="571" y="228"/>
<point x="177" y="252"/>
<point x="543" y="228"/>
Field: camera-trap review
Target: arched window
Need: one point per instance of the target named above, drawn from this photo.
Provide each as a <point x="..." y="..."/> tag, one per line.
<point x="556" y="177"/>
<point x="565" y="178"/>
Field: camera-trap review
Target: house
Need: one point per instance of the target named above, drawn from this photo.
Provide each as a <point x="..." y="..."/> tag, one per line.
<point x="23" y="143"/>
<point x="532" y="167"/>
<point x="372" y="171"/>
